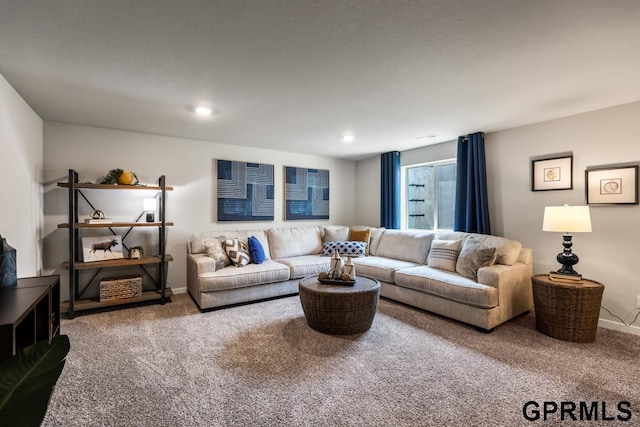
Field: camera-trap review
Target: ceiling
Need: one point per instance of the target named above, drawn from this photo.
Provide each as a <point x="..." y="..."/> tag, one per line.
<point x="295" y="75"/>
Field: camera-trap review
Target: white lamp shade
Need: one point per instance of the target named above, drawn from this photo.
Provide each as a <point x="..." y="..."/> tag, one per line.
<point x="567" y="219"/>
<point x="149" y="204"/>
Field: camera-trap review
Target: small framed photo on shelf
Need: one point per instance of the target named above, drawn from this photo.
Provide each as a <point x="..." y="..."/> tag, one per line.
<point x="607" y="185"/>
<point x="101" y="248"/>
<point x="552" y="173"/>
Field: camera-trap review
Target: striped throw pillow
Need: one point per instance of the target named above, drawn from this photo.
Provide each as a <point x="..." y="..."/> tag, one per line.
<point x="444" y="254"/>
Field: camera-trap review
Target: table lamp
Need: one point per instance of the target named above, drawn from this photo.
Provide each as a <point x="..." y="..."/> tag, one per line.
<point x="567" y="219"/>
<point x="149" y="206"/>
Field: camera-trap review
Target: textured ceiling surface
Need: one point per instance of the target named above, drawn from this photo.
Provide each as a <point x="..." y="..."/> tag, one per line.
<point x="295" y="75"/>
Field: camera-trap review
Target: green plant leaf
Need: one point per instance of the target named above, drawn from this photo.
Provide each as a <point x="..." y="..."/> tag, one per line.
<point x="27" y="380"/>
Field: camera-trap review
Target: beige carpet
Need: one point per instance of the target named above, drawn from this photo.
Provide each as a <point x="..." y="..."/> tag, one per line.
<point x="261" y="365"/>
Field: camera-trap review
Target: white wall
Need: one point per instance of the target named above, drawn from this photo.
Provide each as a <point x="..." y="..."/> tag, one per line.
<point x="609" y="253"/>
<point x="188" y="166"/>
<point x="20" y="179"/>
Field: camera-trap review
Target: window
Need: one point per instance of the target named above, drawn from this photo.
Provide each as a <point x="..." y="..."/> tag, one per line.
<point x="429" y="195"/>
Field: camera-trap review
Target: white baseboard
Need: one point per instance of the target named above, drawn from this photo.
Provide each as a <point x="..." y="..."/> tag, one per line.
<point x="610" y="324"/>
<point x="182" y="290"/>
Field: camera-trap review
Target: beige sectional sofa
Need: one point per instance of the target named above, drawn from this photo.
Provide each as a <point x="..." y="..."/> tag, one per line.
<point x="398" y="259"/>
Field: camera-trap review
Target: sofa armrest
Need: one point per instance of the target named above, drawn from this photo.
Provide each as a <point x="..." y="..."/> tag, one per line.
<point x="526" y="256"/>
<point x="514" y="286"/>
<point x="201" y="263"/>
<point x="499" y="275"/>
<point x="196" y="265"/>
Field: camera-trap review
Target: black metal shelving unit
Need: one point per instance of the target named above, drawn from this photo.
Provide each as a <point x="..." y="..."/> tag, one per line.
<point x="74" y="265"/>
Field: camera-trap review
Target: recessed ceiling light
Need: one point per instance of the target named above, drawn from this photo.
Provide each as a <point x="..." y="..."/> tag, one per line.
<point x="348" y="138"/>
<point x="203" y="110"/>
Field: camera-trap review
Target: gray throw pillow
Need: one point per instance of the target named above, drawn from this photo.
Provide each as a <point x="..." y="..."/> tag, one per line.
<point x="474" y="255"/>
<point x="216" y="251"/>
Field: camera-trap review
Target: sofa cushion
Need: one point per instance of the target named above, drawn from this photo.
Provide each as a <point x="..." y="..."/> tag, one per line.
<point x="447" y="285"/>
<point x="237" y="251"/>
<point x="349" y="249"/>
<point x="249" y="275"/>
<point x="507" y="251"/>
<point x="215" y="250"/>
<point x="335" y="233"/>
<point x="444" y="254"/>
<point x="374" y="241"/>
<point x="405" y="245"/>
<point x="295" y="241"/>
<point x="306" y="265"/>
<point x="256" y="250"/>
<point x="474" y="255"/>
<point x="379" y="268"/>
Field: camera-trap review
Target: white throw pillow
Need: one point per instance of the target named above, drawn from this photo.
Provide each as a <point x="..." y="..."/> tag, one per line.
<point x="444" y="254"/>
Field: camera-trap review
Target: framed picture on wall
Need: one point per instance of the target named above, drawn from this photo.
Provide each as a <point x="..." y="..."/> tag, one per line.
<point x="606" y="185"/>
<point x="245" y="191"/>
<point x="552" y="173"/>
<point x="306" y="193"/>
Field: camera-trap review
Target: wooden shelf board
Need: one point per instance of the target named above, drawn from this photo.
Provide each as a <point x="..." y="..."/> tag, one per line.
<point x="114" y="187"/>
<point x="121" y="262"/>
<point x="93" y="303"/>
<point x="116" y="224"/>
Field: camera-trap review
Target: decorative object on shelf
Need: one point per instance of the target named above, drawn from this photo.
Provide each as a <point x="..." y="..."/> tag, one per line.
<point x="136" y="252"/>
<point x="97" y="214"/>
<point x="101" y="248"/>
<point x="118" y="176"/>
<point x="553" y="172"/>
<point x="149" y="205"/>
<point x="306" y="193"/>
<point x="614" y="184"/>
<point x="245" y="191"/>
<point x="8" y="259"/>
<point x="567" y="219"/>
<point x="116" y="289"/>
<point x="97" y="217"/>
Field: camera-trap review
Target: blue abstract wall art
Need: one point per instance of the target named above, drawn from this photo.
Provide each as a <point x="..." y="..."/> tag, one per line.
<point x="306" y="193"/>
<point x="245" y="191"/>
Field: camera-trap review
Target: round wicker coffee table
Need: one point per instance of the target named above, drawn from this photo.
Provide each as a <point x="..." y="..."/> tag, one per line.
<point x="337" y="309"/>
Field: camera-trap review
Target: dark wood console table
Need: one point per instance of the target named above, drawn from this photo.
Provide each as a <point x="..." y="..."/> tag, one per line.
<point x="29" y="312"/>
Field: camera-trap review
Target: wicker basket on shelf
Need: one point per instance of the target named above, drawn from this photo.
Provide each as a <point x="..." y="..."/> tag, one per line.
<point x="117" y="289"/>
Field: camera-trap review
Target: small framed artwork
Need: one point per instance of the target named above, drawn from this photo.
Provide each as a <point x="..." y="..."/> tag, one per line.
<point x="606" y="185"/>
<point x="101" y="248"/>
<point x="552" y="173"/>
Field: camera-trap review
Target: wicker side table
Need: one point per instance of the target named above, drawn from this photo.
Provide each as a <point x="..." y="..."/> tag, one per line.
<point x="567" y="311"/>
<point x="339" y="310"/>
